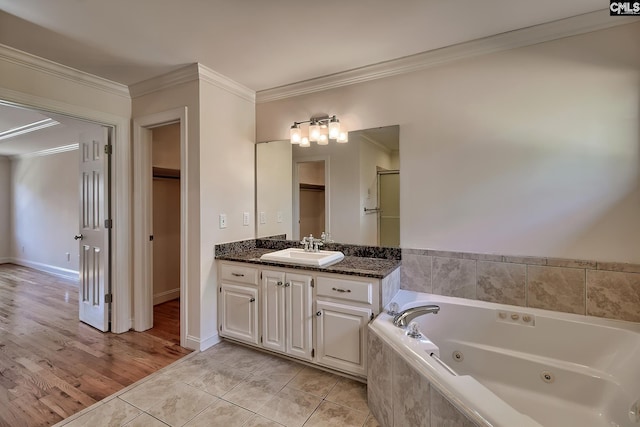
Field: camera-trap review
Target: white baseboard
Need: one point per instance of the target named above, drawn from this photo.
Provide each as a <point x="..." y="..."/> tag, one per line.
<point x="210" y="342"/>
<point x="166" y="296"/>
<point x="195" y="343"/>
<point x="51" y="269"/>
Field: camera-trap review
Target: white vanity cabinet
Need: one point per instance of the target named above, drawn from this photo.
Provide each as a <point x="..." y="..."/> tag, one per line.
<point x="238" y="305"/>
<point x="310" y="315"/>
<point x="344" y="307"/>
<point x="287" y="300"/>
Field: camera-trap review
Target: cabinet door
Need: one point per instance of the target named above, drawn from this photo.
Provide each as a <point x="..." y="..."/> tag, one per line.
<point x="299" y="322"/>
<point x="273" y="310"/>
<point x="342" y="339"/>
<point x="239" y="312"/>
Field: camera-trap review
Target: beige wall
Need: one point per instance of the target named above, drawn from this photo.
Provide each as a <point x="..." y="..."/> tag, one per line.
<point x="5" y="200"/>
<point x="227" y="184"/>
<point x="532" y="151"/>
<point x="45" y="211"/>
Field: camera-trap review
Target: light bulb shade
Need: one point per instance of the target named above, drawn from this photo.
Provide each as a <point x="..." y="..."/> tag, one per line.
<point x="323" y="140"/>
<point x="334" y="128"/>
<point x="314" y="131"/>
<point x="304" y="142"/>
<point x="295" y="134"/>
<point x="343" y="136"/>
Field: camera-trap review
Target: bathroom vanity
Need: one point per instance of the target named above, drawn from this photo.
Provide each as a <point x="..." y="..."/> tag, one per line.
<point x="315" y="314"/>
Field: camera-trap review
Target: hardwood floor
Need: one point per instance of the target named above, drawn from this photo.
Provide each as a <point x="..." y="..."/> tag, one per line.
<point x="166" y="321"/>
<point x="51" y="364"/>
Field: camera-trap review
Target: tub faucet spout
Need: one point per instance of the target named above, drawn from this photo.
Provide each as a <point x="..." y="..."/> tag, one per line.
<point x="403" y="318"/>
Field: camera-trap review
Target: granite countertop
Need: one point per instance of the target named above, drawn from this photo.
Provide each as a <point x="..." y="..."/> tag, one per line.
<point x="351" y="265"/>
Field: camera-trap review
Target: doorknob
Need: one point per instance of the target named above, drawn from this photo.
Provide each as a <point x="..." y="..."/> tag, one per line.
<point x="78" y="237"/>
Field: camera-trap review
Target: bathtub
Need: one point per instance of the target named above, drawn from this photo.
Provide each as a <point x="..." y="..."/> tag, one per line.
<point x="508" y="366"/>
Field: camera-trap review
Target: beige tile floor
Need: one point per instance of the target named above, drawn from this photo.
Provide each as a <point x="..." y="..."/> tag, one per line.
<point x="230" y="385"/>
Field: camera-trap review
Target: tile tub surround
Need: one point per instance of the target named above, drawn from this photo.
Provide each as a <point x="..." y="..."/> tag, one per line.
<point x="231" y="385"/>
<point x="593" y="288"/>
<point x="399" y="396"/>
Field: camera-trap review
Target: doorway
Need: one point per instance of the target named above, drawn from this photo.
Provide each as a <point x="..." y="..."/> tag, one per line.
<point x="165" y="155"/>
<point x="172" y="165"/>
<point x="311" y="198"/>
<point x="61" y="226"/>
<point x="389" y="204"/>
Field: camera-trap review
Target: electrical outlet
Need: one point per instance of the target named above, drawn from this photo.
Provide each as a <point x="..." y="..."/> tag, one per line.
<point x="245" y="218"/>
<point x="23" y="249"/>
<point x="263" y="217"/>
<point x="68" y="255"/>
<point x="223" y="220"/>
<point x="279" y="216"/>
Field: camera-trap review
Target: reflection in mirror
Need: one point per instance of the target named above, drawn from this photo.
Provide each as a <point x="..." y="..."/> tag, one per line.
<point x="311" y="197"/>
<point x="351" y="191"/>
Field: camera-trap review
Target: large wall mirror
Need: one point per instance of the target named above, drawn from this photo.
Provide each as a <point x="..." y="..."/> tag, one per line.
<point x="351" y="191"/>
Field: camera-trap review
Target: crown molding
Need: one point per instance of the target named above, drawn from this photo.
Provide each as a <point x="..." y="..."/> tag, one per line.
<point x="224" y="82"/>
<point x="191" y="72"/>
<point x="46" y="66"/>
<point x="376" y="143"/>
<point x="554" y="30"/>
<point x="47" y="152"/>
<point x="182" y="75"/>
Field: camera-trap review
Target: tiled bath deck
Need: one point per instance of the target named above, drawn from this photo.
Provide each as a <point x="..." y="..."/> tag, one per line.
<point x="231" y="385"/>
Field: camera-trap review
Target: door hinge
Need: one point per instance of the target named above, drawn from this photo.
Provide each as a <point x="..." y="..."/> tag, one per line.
<point x="220" y="328"/>
<point x="261" y="275"/>
<point x="108" y="223"/>
<point x="313" y="352"/>
<point x="220" y="289"/>
<point x="108" y="298"/>
<point x="260" y="339"/>
<point x="108" y="149"/>
<point x="312" y="283"/>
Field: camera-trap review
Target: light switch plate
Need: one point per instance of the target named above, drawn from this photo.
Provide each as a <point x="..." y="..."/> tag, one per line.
<point x="223" y="220"/>
<point x="245" y="218"/>
<point x="263" y="217"/>
<point x="279" y="216"/>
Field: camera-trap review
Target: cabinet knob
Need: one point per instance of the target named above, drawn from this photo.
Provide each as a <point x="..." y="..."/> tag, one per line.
<point x="252" y="300"/>
<point x="279" y="284"/>
<point x="318" y="313"/>
<point x="286" y="285"/>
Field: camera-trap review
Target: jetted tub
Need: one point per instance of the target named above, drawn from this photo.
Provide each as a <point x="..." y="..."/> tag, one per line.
<point x="511" y="366"/>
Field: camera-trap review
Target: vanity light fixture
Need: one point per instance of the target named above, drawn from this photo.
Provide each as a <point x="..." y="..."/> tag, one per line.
<point x="321" y="130"/>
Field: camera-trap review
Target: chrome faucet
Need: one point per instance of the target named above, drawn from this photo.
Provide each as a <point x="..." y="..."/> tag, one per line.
<point x="305" y="243"/>
<point x="403" y="318"/>
<point x="311" y="244"/>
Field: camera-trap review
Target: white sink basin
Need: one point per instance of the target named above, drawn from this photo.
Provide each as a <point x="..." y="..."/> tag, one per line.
<point x="300" y="257"/>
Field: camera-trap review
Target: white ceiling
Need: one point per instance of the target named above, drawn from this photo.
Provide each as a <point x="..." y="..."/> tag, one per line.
<point x="260" y="44"/>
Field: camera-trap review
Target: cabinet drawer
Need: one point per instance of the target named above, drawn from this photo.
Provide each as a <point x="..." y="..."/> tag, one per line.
<point x="239" y="273"/>
<point x="349" y="290"/>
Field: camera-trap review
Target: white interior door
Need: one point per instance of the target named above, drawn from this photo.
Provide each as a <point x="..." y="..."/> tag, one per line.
<point x="94" y="229"/>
